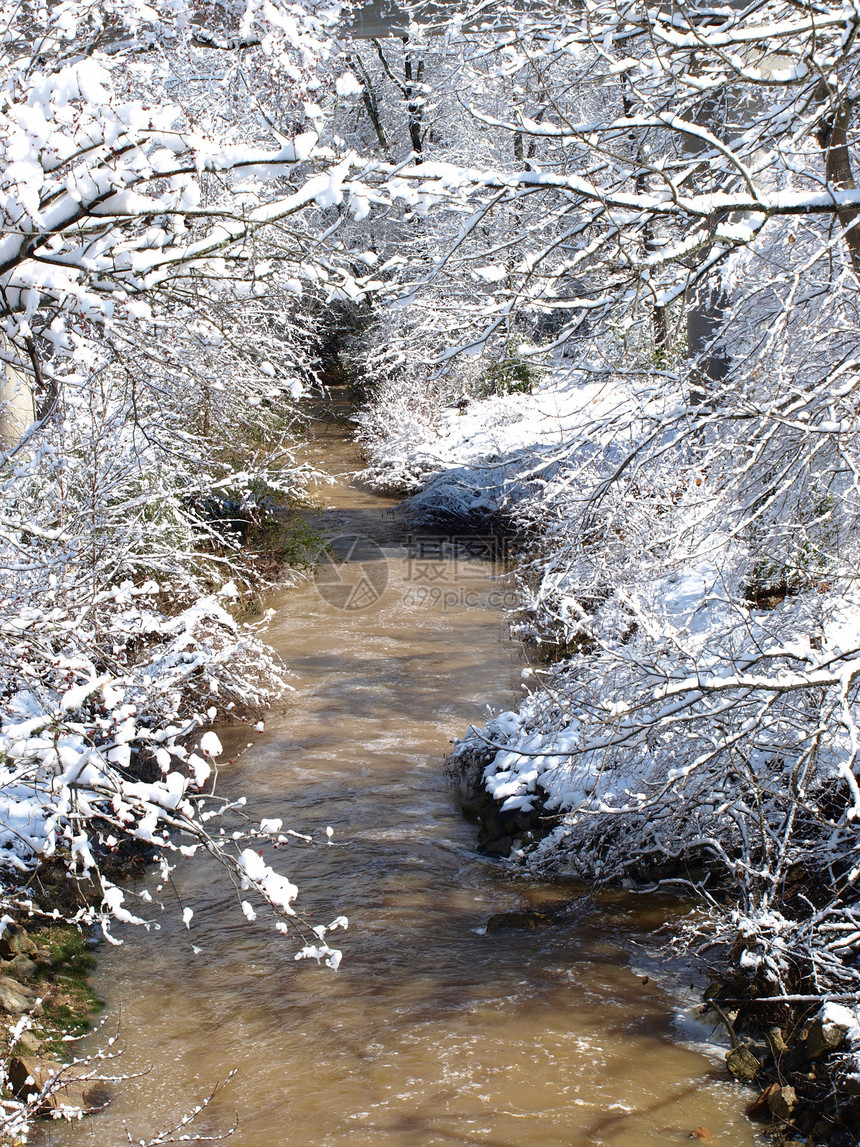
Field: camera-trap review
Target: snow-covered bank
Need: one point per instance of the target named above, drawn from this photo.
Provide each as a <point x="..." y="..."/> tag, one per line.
<point x="463" y="457"/>
<point x="695" y="721"/>
<point x="125" y="570"/>
<point x="121" y="644"/>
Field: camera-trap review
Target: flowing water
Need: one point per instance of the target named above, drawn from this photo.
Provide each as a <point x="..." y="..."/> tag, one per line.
<point x="436" y="1029"/>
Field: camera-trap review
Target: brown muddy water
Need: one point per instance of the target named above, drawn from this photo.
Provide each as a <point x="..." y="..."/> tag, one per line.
<point x="434" y="1030"/>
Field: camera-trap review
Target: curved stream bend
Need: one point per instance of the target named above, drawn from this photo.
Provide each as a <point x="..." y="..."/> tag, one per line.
<point x="433" y="1031"/>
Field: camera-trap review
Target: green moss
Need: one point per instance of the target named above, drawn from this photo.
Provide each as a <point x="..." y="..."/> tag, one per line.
<point x="65" y="945"/>
<point x="67" y="997"/>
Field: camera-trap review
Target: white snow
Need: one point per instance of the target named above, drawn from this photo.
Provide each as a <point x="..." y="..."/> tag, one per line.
<point x="348" y="85"/>
<point x="210" y="744"/>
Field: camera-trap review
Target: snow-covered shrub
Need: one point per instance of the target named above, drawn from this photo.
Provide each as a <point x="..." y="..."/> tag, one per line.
<point x="696" y="567"/>
<point x="401" y="428"/>
<point x="154" y="259"/>
<point x="119" y="646"/>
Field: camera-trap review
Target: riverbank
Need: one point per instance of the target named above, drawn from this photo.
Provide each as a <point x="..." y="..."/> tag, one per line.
<point x="670" y="673"/>
<point x="49" y="1005"/>
<point x="127" y="634"/>
<point x="799" y="1056"/>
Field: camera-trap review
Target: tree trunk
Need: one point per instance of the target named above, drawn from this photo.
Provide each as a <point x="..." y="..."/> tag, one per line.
<point x="833" y="137"/>
<point x="709" y="363"/>
<point x="414" y="108"/>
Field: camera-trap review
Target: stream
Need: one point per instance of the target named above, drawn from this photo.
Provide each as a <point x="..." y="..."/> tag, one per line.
<point x="437" y="1028"/>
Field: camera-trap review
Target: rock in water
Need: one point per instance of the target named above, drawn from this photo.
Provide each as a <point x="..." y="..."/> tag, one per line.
<point x="29" y="1074"/>
<point x="742" y="1063"/>
<point x="518" y="920"/>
